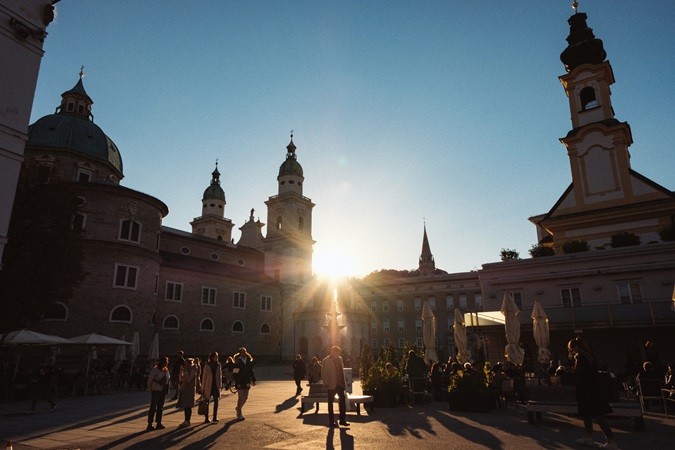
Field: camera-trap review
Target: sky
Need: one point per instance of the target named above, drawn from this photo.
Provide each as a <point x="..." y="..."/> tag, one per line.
<point x="443" y="113"/>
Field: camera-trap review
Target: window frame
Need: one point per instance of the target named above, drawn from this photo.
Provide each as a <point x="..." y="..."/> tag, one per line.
<point x="127" y="276"/>
<point x="238" y="300"/>
<point x="173" y="298"/>
<point x="209" y="301"/>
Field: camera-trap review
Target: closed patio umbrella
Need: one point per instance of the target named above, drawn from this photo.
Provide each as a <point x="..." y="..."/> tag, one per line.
<point x="541" y="333"/>
<point x="513" y="352"/>
<point x="429" y="333"/>
<point x="135" y="347"/>
<point x="120" y="354"/>
<point x="153" y="353"/>
<point x="459" y="330"/>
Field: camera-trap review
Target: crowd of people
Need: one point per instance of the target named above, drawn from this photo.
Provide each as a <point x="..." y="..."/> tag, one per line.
<point x="194" y="384"/>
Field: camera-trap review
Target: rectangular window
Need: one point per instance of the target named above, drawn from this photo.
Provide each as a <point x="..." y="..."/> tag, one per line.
<point x="386" y="342"/>
<point x="373" y="326"/>
<point x="373" y="307"/>
<point x="130" y="231"/>
<point x="265" y="303"/>
<point x="239" y="300"/>
<point x="401" y="342"/>
<point x="385" y="306"/>
<point x="419" y="343"/>
<point x="401" y="326"/>
<point x="83" y="176"/>
<point x="418" y="325"/>
<point x="385" y="326"/>
<point x="571" y="297"/>
<point x="174" y="291"/>
<point x="450" y="302"/>
<point x="478" y="300"/>
<point x="208" y="296"/>
<point x="373" y="343"/>
<point x="518" y="299"/>
<point x="399" y="305"/>
<point x="418" y="304"/>
<point x="462" y="301"/>
<point x="629" y="292"/>
<point x="125" y="276"/>
<point x="451" y="323"/>
<point x="432" y="303"/>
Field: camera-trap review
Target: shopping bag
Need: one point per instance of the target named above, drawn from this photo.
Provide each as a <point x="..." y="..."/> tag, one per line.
<point x="203" y="407"/>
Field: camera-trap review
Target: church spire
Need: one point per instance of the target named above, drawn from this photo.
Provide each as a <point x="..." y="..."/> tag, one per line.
<point x="427" y="266"/>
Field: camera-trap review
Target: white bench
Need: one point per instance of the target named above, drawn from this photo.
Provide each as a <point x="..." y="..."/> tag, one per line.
<point x="352" y="401"/>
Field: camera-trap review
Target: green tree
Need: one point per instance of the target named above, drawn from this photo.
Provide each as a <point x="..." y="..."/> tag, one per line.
<point x="625" y="239"/>
<point x="508" y="254"/>
<point x="575" y="246"/>
<point x="538" y="250"/>
<point x="43" y="256"/>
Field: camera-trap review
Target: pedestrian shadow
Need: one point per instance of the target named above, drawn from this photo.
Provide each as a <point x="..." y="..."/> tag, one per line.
<point x="416" y="422"/>
<point x="286" y="404"/>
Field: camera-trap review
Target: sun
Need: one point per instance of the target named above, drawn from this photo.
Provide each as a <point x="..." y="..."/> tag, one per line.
<point x="332" y="262"/>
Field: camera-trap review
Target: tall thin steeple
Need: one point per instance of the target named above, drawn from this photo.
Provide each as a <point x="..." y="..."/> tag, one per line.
<point x="427" y="266"/>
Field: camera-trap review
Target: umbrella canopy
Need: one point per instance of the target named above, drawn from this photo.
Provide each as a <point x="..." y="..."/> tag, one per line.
<point x="97" y="339"/>
<point x="28" y="337"/>
<point x="120" y="354"/>
<point x="153" y="353"/>
<point x="429" y="333"/>
<point x="541" y="333"/>
<point x="513" y="352"/>
<point x="459" y="329"/>
<point x="135" y="346"/>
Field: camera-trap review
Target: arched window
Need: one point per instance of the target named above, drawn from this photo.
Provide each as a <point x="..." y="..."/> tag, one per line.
<point x="121" y="313"/>
<point x="279" y="223"/>
<point x="206" y="325"/>
<point x="588" y="99"/>
<point x="170" y="323"/>
<point x="56" y="311"/>
<point x="265" y="329"/>
<point x="237" y="327"/>
<point x="301" y="223"/>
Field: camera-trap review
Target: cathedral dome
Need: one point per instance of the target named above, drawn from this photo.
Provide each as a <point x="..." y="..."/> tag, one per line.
<point x="291" y="166"/>
<point x="72" y="127"/>
<point x="214" y="191"/>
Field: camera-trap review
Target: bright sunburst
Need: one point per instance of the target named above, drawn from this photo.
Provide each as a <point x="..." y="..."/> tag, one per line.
<point x="333" y="263"/>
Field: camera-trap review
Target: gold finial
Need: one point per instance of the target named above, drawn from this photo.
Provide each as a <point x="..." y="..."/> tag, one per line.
<point x="575" y="6"/>
<point x="81" y="72"/>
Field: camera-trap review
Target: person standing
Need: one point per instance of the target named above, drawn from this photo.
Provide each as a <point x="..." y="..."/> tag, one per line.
<point x="299" y="370"/>
<point x="333" y="375"/>
<point x="175" y="372"/>
<point x="314" y="370"/>
<point x="590" y="400"/>
<point x="212" y="383"/>
<point x="244" y="378"/>
<point x="41" y="387"/>
<point x="188" y="389"/>
<point x="158" y="384"/>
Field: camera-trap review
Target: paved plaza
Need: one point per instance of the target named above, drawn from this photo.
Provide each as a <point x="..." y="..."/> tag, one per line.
<point x="117" y="420"/>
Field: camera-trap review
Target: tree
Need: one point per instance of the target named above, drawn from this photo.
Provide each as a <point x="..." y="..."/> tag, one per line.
<point x="43" y="256"/>
<point x="625" y="239"/>
<point x="538" y="250"/>
<point x="575" y="246"/>
<point x="667" y="233"/>
<point x="508" y="254"/>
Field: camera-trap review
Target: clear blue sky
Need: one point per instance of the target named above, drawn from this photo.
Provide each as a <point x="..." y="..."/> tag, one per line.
<point x="443" y="111"/>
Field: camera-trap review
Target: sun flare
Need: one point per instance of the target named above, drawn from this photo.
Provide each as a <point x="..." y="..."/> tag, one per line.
<point x="333" y="263"/>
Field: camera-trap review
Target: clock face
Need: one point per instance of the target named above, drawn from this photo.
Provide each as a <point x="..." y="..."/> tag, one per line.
<point x="133" y="208"/>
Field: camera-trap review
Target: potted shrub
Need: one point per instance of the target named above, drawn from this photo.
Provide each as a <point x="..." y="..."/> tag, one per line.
<point x="468" y="391"/>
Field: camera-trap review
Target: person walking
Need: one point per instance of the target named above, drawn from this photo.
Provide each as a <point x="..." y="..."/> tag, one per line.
<point x="175" y="372"/>
<point x="333" y="375"/>
<point x="299" y="371"/>
<point x="158" y="384"/>
<point x="589" y="394"/>
<point x="314" y="371"/>
<point x="212" y="383"/>
<point x="41" y="386"/>
<point x="188" y="389"/>
<point x="244" y="378"/>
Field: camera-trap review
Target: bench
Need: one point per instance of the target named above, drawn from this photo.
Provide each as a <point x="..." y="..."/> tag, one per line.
<point x="562" y="400"/>
<point x="352" y="402"/>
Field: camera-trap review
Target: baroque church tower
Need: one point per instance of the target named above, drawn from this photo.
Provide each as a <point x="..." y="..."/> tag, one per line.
<point x="606" y="195"/>
<point x="212" y="223"/>
<point x="288" y="244"/>
<point x="427" y="266"/>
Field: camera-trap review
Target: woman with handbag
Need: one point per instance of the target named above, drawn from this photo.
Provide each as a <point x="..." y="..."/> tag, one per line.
<point x="212" y="383"/>
<point x="188" y="389"/>
<point x="158" y="384"/>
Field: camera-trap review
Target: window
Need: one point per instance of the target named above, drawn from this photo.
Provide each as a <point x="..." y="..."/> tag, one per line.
<point x="373" y="306"/>
<point x="156" y="289"/>
<point x="451" y="323"/>
<point x="478" y="300"/>
<point x="450" y="302"/>
<point x="130" y="231"/>
<point x="56" y="312"/>
<point x="462" y="301"/>
<point x="432" y="303"/>
<point x="418" y="325"/>
<point x="399" y="305"/>
<point x="518" y="299"/>
<point x="419" y="343"/>
<point x="385" y="342"/>
<point x="373" y="326"/>
<point x="265" y="303"/>
<point x="401" y="326"/>
<point x="265" y="329"/>
<point x="120" y="313"/>
<point x="418" y="304"/>
<point x="385" y="306"/>
<point x="373" y="343"/>
<point x="588" y="99"/>
<point x="174" y="291"/>
<point x="571" y="297"/>
<point x="125" y="276"/>
<point x="206" y="325"/>
<point x="385" y="326"/>
<point x="401" y="342"/>
<point x="239" y="300"/>
<point x="208" y="296"/>
<point x="301" y="223"/>
<point x="83" y="176"/>
<point x="279" y="223"/>
<point x="629" y="292"/>
<point x="170" y="323"/>
<point x="237" y="327"/>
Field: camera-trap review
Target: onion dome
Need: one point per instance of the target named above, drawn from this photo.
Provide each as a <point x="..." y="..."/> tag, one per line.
<point x="214" y="191"/>
<point x="72" y="128"/>
<point x="583" y="47"/>
<point x="291" y="166"/>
